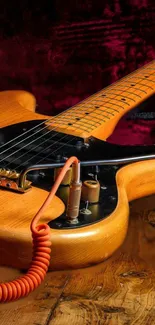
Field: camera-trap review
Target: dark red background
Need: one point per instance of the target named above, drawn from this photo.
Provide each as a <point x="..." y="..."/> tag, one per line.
<point x="63" y="51"/>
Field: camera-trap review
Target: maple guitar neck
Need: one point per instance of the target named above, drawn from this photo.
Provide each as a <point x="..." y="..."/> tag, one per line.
<point x="99" y="114"/>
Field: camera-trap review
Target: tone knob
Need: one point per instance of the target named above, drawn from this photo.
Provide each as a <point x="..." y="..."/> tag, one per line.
<point x="67" y="179"/>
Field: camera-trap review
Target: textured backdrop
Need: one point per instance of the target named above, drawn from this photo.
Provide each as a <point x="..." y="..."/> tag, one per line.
<point x="63" y="51"/>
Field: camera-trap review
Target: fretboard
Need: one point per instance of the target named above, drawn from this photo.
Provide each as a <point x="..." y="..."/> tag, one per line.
<point x="98" y="114"/>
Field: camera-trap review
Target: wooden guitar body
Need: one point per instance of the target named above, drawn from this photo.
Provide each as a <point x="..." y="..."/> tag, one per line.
<point x="86" y="244"/>
<point x="71" y="248"/>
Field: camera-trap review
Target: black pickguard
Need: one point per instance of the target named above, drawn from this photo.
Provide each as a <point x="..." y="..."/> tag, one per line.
<point x="30" y="143"/>
<point x="41" y="144"/>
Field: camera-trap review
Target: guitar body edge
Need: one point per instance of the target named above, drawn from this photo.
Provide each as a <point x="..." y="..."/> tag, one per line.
<point x="74" y="248"/>
<point x="92" y="244"/>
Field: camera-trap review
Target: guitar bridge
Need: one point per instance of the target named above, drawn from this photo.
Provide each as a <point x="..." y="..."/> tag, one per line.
<point x="9" y="179"/>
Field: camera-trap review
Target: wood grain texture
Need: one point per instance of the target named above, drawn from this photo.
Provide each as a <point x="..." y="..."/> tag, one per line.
<point x="99" y="114"/>
<point x="71" y="248"/>
<point x="37" y="308"/>
<point x="119" y="291"/>
<point x="17" y="106"/>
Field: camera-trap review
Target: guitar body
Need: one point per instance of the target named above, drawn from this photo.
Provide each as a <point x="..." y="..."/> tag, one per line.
<point x="78" y="246"/>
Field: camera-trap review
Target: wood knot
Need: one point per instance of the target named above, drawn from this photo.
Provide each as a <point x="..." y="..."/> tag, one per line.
<point x="113" y="309"/>
<point x="151" y="218"/>
<point x="134" y="274"/>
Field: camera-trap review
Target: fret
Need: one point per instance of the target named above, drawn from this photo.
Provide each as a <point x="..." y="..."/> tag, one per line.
<point x="146" y="86"/>
<point x="100" y="110"/>
<point x="83" y="110"/>
<point x="111" y="108"/>
<point x="60" y="121"/>
<point x="77" y="115"/>
<point x="85" y="128"/>
<point x="109" y="104"/>
<point x="77" y="110"/>
<point x="113" y="99"/>
<point x="99" y="101"/>
<point x="119" y="99"/>
<point x="143" y="79"/>
<point x="151" y="69"/>
<point x="91" y="108"/>
<point x="63" y="124"/>
<point x="103" y="107"/>
<point x="146" y="77"/>
<point x="133" y="87"/>
<point x="72" y="121"/>
<point x="144" y="72"/>
<point x="88" y="120"/>
<point x="104" y="110"/>
<point x="95" y="118"/>
<point x="116" y="97"/>
<point x="85" y="122"/>
<point x="84" y="119"/>
<point x="94" y="115"/>
<point x="112" y="102"/>
<point x="123" y="97"/>
<point x="141" y="87"/>
<point x="80" y="122"/>
<point x="139" y="78"/>
<point x="108" y="95"/>
<point x="128" y="92"/>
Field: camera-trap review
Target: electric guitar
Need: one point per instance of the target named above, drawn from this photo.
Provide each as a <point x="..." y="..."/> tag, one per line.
<point x="33" y="150"/>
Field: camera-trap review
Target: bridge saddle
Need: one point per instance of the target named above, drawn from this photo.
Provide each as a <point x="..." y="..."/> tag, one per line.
<point x="9" y="180"/>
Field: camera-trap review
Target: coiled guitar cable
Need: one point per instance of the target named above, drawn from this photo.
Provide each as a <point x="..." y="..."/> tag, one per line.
<point x="21" y="287"/>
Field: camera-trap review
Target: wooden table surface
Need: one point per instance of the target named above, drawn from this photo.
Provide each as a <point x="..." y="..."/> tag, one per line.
<point x="118" y="291"/>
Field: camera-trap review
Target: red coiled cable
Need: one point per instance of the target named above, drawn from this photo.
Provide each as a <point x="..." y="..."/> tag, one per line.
<point x="22" y="286"/>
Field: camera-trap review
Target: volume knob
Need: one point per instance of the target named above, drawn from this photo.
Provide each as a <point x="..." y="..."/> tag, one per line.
<point x="90" y="191"/>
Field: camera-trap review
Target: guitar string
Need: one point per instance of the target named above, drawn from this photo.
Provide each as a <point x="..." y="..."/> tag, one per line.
<point x="52" y="129"/>
<point x="143" y="69"/>
<point x="45" y="121"/>
<point x="38" y="145"/>
<point x="20" y="135"/>
<point x="45" y="150"/>
<point x="146" y="68"/>
<point x="69" y="141"/>
<point x="36" y="154"/>
<point x="37" y="139"/>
